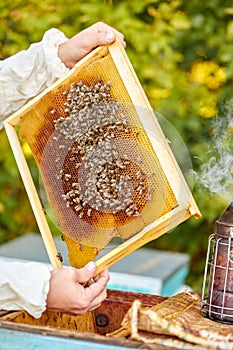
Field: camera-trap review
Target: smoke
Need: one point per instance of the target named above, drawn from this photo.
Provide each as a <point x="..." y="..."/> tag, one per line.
<point x="216" y="174"/>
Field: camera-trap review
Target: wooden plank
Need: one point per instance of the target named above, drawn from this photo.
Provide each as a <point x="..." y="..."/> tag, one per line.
<point x="59" y="320"/>
<point x="11" y="332"/>
<point x="15" y="118"/>
<point x="149" y="233"/>
<point x="151" y="124"/>
<point x="33" y="196"/>
<point x="12" y="340"/>
<point x="120" y="301"/>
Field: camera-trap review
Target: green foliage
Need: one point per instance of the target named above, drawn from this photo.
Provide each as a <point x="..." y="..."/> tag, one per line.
<point x="182" y="53"/>
<point x="15" y="212"/>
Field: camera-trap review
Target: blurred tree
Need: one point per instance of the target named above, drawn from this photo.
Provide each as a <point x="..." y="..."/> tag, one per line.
<point x="182" y="53"/>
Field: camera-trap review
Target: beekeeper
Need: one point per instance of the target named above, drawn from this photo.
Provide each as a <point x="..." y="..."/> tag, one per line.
<point x="32" y="286"/>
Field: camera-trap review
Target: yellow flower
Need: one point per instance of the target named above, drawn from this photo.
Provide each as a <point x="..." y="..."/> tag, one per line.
<point x="208" y="73"/>
<point x="159" y="93"/>
<point x="208" y="107"/>
<point x="208" y="111"/>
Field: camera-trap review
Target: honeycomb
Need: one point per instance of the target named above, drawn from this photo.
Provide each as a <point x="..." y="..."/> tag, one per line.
<point x="100" y="171"/>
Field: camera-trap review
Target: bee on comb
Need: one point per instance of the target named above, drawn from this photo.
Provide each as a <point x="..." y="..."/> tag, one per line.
<point x="105" y="164"/>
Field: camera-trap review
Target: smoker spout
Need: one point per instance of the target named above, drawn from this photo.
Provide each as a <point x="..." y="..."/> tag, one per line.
<point x="227" y="216"/>
<point x="225" y="222"/>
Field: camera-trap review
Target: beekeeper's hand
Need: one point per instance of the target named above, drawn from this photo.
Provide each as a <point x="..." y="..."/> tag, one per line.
<point x="85" y="41"/>
<point x="71" y="290"/>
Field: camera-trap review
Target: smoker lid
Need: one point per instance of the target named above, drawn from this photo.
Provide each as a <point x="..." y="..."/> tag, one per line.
<point x="227" y="217"/>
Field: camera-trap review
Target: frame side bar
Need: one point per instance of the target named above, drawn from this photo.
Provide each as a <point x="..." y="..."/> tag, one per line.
<point x="33" y="196"/>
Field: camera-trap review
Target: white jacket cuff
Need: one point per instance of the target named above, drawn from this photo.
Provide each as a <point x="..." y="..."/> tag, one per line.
<point x="27" y="73"/>
<point x="24" y="286"/>
<point x="51" y="41"/>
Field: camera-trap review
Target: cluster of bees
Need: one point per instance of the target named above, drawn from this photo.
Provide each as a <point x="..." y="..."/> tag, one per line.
<point x="95" y="173"/>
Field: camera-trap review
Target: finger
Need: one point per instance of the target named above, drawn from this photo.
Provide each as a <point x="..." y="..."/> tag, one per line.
<point x="104" y="274"/>
<point x="88" y="301"/>
<point x="120" y="36"/>
<point x="95" y="279"/>
<point x="98" y="34"/>
<point x="88" y="283"/>
<point x="99" y="287"/>
<point x="99" y="297"/>
<point x="92" y="297"/>
<point x="104" y="33"/>
<point x="85" y="274"/>
<point x="73" y="50"/>
<point x="107" y="34"/>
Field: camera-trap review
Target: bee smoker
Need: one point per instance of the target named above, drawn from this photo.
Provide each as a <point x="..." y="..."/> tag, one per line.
<point x="217" y="304"/>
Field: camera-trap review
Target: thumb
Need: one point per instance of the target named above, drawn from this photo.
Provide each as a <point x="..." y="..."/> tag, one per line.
<point x="84" y="274"/>
<point x="97" y="36"/>
<point x="106" y="37"/>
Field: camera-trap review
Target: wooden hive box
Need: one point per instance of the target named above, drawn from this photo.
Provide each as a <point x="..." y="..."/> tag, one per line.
<point x="58" y="330"/>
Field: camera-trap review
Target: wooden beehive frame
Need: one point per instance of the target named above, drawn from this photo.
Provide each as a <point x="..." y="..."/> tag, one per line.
<point x="186" y="205"/>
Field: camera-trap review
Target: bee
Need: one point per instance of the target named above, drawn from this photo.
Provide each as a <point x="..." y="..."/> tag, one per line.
<point x="59" y="256"/>
<point x="44" y="211"/>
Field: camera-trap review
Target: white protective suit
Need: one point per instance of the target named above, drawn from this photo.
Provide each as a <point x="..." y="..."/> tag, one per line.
<point x="23" y="76"/>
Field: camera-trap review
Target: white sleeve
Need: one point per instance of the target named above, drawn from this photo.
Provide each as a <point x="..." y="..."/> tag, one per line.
<point x="24" y="286"/>
<point x="27" y="73"/>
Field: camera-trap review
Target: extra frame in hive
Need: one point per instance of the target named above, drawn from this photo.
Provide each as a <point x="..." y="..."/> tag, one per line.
<point x="108" y="170"/>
